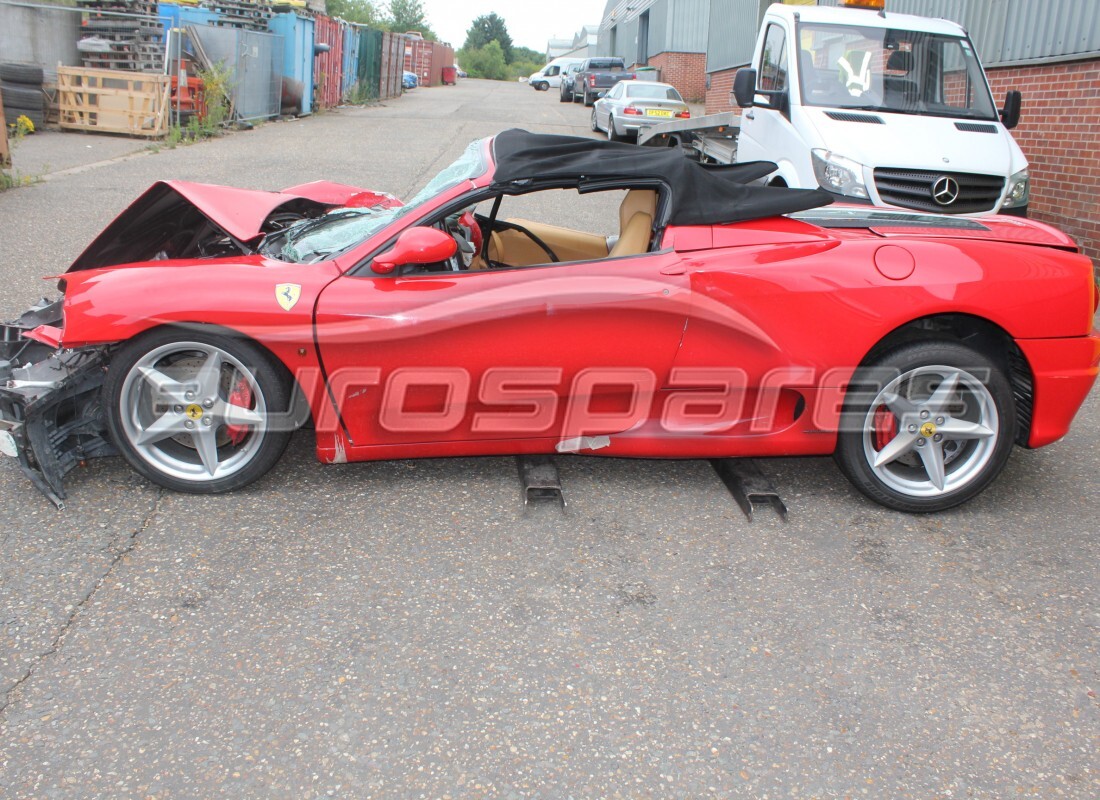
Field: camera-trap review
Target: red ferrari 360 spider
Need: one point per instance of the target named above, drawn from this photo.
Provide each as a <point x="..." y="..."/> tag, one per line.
<point x="709" y="318"/>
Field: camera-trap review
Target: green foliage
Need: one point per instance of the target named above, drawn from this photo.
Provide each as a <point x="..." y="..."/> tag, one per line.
<point x="14" y="179"/>
<point x="408" y="15"/>
<point x="486" y="62"/>
<point x="486" y="29"/>
<point x="362" y="11"/>
<point x="521" y="69"/>
<point x="216" y="85"/>
<point x="527" y="54"/>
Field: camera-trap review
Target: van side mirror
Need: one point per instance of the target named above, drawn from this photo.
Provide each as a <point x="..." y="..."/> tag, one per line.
<point x="1010" y="114"/>
<point x="744" y="87"/>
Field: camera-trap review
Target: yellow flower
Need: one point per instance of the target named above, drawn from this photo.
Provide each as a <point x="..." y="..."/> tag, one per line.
<point x="24" y="125"/>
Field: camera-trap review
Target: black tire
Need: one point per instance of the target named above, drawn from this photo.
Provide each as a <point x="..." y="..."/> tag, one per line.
<point x="588" y="99"/>
<point x="270" y="385"/>
<point x="594" y="123"/>
<point x="982" y="400"/>
<point x="541" y="86"/>
<point x="22" y="97"/>
<point x="37" y="118"/>
<point x="612" y="134"/>
<point x="26" y="74"/>
<point x="577" y="98"/>
<point x="565" y="97"/>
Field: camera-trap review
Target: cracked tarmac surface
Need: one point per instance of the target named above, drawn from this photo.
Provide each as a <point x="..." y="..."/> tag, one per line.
<point x="405" y="629"/>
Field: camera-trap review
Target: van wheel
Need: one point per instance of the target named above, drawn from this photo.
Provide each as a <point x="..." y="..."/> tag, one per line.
<point x="541" y="86"/>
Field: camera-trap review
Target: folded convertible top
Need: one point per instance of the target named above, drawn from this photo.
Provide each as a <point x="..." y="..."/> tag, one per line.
<point x="701" y="194"/>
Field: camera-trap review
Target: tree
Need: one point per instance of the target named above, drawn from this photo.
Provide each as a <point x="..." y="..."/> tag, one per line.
<point x="485" y="62"/>
<point x="489" y="28"/>
<point x="408" y="15"/>
<point x="361" y="11"/>
<point x="527" y="54"/>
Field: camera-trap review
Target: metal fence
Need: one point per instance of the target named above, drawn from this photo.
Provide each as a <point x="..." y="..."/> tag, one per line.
<point x="254" y="63"/>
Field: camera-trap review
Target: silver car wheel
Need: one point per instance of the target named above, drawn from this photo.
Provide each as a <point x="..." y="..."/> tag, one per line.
<point x="176" y="411"/>
<point x="930" y="431"/>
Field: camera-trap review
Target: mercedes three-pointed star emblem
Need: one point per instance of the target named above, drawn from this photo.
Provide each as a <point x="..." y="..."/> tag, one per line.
<point x="945" y="190"/>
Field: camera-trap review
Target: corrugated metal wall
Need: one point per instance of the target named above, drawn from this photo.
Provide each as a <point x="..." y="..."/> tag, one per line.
<point x="733" y="26"/>
<point x="675" y="26"/>
<point x="1003" y="31"/>
<point x="687" y="26"/>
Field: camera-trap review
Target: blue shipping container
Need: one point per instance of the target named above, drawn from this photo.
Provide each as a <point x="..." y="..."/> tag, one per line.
<point x="297" y="33"/>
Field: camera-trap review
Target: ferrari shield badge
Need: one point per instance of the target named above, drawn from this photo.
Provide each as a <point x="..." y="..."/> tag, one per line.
<point x="287" y="294"/>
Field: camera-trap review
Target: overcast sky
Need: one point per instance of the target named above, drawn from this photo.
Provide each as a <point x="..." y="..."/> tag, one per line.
<point x="530" y="22"/>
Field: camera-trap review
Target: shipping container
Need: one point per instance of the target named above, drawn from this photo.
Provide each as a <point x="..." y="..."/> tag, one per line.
<point x="297" y="63"/>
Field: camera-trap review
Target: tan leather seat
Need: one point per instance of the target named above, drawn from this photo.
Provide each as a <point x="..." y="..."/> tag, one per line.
<point x="643" y="200"/>
<point x="636" y="214"/>
<point x="634" y="239"/>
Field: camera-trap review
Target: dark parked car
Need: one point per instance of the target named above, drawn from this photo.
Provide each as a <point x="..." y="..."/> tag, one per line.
<point x="596" y="76"/>
<point x="567" y="79"/>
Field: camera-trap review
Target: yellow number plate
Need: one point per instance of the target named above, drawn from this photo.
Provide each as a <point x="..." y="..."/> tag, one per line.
<point x="657" y="112"/>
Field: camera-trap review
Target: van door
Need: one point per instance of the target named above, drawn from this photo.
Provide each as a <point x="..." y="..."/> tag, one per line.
<point x="767" y="133"/>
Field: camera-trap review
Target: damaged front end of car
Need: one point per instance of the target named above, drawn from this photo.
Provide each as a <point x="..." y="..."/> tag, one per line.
<point x="51" y="418"/>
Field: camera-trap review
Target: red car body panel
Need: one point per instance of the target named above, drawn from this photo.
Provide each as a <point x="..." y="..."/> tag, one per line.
<point x="793" y="307"/>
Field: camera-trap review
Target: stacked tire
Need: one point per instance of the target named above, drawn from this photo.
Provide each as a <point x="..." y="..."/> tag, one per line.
<point x="21" y="89"/>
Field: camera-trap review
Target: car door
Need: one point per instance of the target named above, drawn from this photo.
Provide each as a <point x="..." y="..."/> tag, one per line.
<point x="495" y="354"/>
<point x="767" y="133"/>
<point x="605" y="106"/>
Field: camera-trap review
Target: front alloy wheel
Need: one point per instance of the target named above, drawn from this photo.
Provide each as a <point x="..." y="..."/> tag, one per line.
<point x="935" y="434"/>
<point x="192" y="411"/>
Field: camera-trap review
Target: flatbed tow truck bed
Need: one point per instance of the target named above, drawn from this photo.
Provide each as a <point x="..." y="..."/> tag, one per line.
<point x="712" y="138"/>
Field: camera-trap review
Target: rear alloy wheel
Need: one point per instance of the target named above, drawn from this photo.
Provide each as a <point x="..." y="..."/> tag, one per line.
<point x="936" y="433"/>
<point x="193" y="411"/>
<point x="612" y="133"/>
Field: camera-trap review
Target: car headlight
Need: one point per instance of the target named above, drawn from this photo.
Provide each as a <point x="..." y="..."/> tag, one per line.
<point x="838" y="174"/>
<point x="1019" y="190"/>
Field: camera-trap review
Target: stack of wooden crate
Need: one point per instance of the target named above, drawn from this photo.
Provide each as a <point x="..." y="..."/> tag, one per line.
<point x="122" y="34"/>
<point x="112" y="101"/>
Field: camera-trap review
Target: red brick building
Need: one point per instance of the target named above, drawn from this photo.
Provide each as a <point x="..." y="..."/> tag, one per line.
<point x="667" y="35"/>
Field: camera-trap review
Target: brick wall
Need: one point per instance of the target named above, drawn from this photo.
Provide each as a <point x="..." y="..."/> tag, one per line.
<point x="718" y="95"/>
<point x="685" y="71"/>
<point x="1059" y="133"/>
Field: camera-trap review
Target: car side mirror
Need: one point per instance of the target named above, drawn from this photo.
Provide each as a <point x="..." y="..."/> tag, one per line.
<point x="1010" y="114"/>
<point x="415" y="246"/>
<point x="744" y="87"/>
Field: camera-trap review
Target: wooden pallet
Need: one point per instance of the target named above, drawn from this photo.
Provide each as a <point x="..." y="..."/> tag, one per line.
<point x="113" y="101"/>
<point x="5" y="151"/>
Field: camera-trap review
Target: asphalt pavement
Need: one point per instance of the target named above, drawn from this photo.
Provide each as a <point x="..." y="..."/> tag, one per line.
<point x="405" y="629"/>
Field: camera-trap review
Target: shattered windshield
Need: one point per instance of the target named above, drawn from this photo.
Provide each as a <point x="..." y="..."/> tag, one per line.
<point x="312" y="240"/>
<point x="901" y="71"/>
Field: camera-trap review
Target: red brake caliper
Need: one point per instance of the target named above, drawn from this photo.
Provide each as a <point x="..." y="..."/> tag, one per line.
<point x="240" y="396"/>
<point x="886" y="427"/>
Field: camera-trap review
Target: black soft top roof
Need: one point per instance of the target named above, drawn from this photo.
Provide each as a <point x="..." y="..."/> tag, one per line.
<point x="701" y="194"/>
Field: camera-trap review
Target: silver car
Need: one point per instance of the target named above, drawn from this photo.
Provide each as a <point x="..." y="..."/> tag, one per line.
<point x="632" y="105"/>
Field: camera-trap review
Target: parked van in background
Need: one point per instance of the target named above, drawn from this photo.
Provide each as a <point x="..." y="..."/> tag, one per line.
<point x="874" y="107"/>
<point x="550" y="75"/>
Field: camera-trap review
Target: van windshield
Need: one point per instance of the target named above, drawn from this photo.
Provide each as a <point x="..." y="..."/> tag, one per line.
<point x="881" y="69"/>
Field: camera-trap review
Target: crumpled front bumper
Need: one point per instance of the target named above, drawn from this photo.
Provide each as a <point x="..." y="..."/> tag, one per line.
<point x="51" y="418"/>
